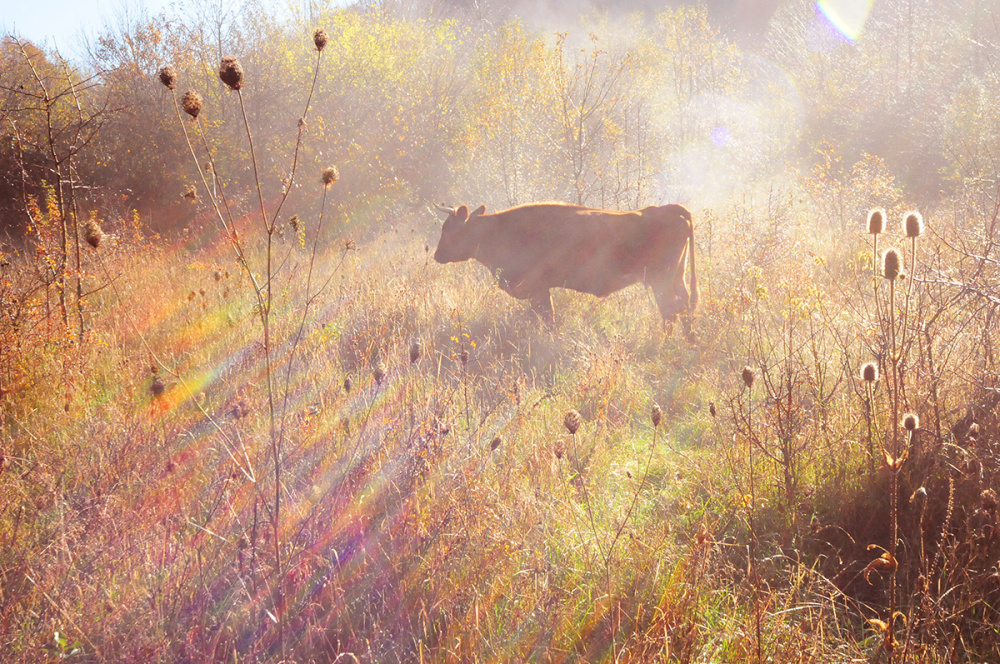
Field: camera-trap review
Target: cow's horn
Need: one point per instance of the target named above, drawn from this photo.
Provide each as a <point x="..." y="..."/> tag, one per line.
<point x="444" y="208"/>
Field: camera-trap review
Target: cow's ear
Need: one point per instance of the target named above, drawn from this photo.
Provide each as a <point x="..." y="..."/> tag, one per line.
<point x="462" y="213"/>
<point x="478" y="211"/>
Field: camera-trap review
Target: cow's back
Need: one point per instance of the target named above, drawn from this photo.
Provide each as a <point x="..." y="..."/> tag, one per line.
<point x="540" y="246"/>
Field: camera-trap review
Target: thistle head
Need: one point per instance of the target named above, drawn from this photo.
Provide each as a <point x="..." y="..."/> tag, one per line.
<point x="231" y="72"/>
<point x="891" y="264"/>
<point x="911" y="422"/>
<point x="191" y="103"/>
<point x="869" y="372"/>
<point x="168" y="77"/>
<point x="330" y="176"/>
<point x="913" y="224"/>
<point x="748" y="376"/>
<point x="320" y="39"/>
<point x="572" y="421"/>
<point x="876" y="221"/>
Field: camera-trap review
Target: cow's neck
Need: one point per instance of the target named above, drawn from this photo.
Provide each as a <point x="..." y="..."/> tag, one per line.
<point x="476" y="236"/>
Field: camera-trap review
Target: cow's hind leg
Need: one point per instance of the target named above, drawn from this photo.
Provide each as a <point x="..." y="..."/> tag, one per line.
<point x="541" y="304"/>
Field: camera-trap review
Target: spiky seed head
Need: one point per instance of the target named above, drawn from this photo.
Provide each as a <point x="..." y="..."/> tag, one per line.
<point x="876" y="221"/>
<point x="320" y="39"/>
<point x="911" y="422"/>
<point x="711" y="408"/>
<point x="168" y="77"/>
<point x="93" y="234"/>
<point x="495" y="443"/>
<point x="191" y="103"/>
<point x="217" y="275"/>
<point x="559" y="449"/>
<point x="416" y="350"/>
<point x="378" y="372"/>
<point x="656" y="415"/>
<point x="748" y="376"/>
<point x="572" y="421"/>
<point x="294" y="222"/>
<point x="913" y="224"/>
<point x="869" y="372"/>
<point x="330" y="176"/>
<point x="231" y="72"/>
<point x="348" y="384"/>
<point x="891" y="264"/>
<point x="464" y="356"/>
<point x="157" y="387"/>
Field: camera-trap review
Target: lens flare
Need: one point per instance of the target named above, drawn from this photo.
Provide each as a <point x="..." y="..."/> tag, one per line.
<point x="848" y="16"/>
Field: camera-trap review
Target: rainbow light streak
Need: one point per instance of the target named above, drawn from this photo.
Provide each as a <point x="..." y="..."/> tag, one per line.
<point x="848" y="16"/>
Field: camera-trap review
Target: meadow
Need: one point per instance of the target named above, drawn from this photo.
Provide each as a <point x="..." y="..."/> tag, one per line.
<point x="245" y="416"/>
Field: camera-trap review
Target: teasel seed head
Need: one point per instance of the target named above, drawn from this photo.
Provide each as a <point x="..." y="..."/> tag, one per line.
<point x="656" y="415"/>
<point x="294" y="222"/>
<point x="168" y="77"/>
<point x="416" y="350"/>
<point x="320" y="39"/>
<point x="348" y="384"/>
<point x="464" y="356"/>
<point x="191" y="103"/>
<point x="93" y="234"/>
<point x="559" y="449"/>
<point x="891" y="264"/>
<point x="911" y="422"/>
<point x="572" y="421"/>
<point x="913" y="224"/>
<point x="869" y="372"/>
<point x="378" y="372"/>
<point x="231" y="72"/>
<point x="711" y="408"/>
<point x="748" y="376"/>
<point x="330" y="176"/>
<point x="496" y="442"/>
<point x="876" y="221"/>
<point x="157" y="387"/>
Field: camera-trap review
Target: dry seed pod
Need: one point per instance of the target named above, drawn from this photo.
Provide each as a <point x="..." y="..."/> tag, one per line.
<point x="711" y="408"/>
<point x="911" y="422"/>
<point x="330" y="176"/>
<point x="378" y="372"/>
<point x="464" y="356"/>
<point x="656" y="415"/>
<point x="320" y="39"/>
<point x="913" y="224"/>
<point x="891" y="263"/>
<point x="748" y="376"/>
<point x="348" y="384"/>
<point x="572" y="421"/>
<point x="231" y="72"/>
<point x="168" y="77"/>
<point x="876" y="221"/>
<point x="157" y="387"/>
<point x="416" y="349"/>
<point x="191" y="103"/>
<point x="869" y="372"/>
<point x="496" y="443"/>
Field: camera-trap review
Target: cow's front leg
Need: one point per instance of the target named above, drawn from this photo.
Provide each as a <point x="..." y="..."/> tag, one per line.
<point x="541" y="304"/>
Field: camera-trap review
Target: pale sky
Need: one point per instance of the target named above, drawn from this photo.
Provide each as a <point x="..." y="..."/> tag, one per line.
<point x="62" y="22"/>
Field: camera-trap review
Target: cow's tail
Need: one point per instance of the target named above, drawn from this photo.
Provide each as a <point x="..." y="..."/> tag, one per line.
<point x="695" y="296"/>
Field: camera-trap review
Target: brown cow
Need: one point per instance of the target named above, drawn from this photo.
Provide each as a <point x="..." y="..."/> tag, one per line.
<point x="532" y="248"/>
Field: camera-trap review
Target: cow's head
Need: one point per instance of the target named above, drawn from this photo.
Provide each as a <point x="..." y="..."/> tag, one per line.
<point x="457" y="242"/>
